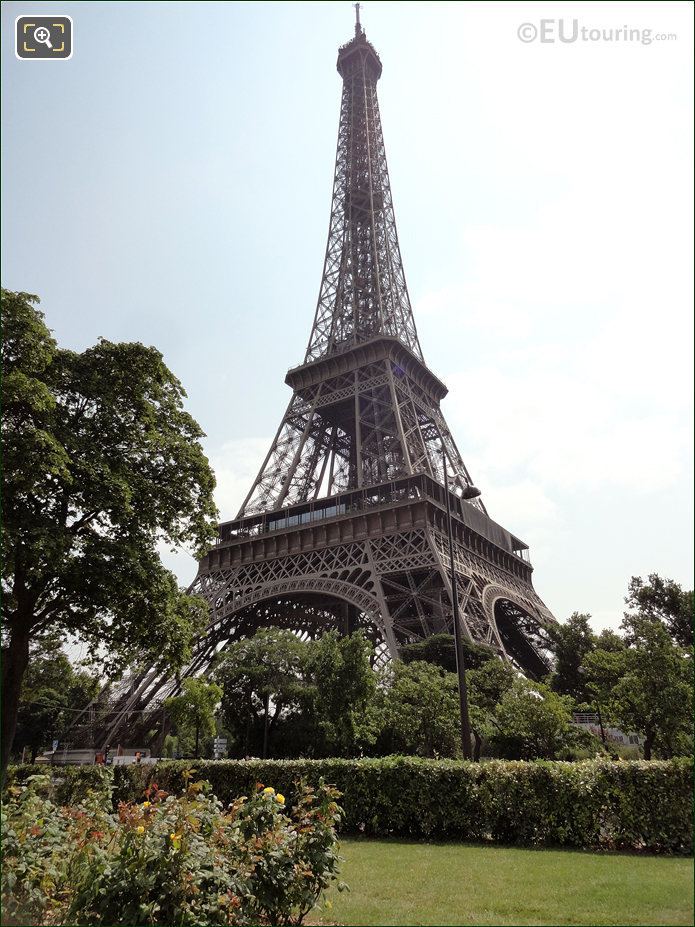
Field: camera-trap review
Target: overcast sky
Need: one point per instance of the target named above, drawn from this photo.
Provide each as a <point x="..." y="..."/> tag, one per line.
<point x="171" y="184"/>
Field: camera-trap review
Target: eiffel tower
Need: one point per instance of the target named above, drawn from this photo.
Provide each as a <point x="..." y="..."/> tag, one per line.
<point x="345" y="525"/>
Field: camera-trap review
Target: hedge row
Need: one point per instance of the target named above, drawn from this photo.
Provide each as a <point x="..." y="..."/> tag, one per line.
<point x="595" y="804"/>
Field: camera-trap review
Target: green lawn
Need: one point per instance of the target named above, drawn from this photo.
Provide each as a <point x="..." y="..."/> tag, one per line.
<point x="396" y="882"/>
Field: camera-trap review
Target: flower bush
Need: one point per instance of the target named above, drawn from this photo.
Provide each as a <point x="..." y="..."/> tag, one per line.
<point x="33" y="862"/>
<point x="169" y="859"/>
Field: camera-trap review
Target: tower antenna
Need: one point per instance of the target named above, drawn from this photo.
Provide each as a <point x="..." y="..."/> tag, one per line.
<point x="358" y="25"/>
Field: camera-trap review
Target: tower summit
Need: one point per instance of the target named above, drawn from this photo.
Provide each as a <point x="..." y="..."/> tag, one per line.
<point x="358" y="26"/>
<point x="345" y="525"/>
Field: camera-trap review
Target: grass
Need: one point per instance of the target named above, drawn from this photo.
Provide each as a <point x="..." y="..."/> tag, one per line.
<point x="397" y="882"/>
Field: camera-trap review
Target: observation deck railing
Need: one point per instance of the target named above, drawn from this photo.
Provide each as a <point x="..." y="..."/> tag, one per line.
<point x="383" y="495"/>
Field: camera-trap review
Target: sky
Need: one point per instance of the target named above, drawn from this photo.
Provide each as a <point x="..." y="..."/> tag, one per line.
<point x="171" y="184"/>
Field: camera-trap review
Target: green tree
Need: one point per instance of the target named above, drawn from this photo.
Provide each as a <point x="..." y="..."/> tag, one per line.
<point x="194" y="709"/>
<point x="610" y="641"/>
<point x="440" y="649"/>
<point x="101" y="464"/>
<point x="340" y="694"/>
<point x="570" y="643"/>
<point x="666" y="601"/>
<point x="602" y="670"/>
<point x="486" y="686"/>
<point x="531" y="721"/>
<point x="654" y="696"/>
<point x="256" y="673"/>
<point x="52" y="691"/>
<point x="420" y="711"/>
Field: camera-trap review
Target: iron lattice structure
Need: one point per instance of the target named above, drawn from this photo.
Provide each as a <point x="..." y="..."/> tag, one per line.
<point x="345" y="524"/>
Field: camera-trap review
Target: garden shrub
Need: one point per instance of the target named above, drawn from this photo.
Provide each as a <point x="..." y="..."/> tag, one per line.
<point x="594" y="804"/>
<point x="174" y="860"/>
<point x="33" y="859"/>
<point x="69" y="784"/>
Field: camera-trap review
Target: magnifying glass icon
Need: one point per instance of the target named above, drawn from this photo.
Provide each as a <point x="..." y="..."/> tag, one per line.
<point x="43" y="36"/>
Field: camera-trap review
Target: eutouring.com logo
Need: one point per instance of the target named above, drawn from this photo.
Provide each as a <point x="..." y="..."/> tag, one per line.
<point x="569" y="31"/>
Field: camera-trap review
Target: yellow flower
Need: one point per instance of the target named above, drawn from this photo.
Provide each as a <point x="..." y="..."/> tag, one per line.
<point x="141" y="829"/>
<point x="280" y="798"/>
<point x="145" y="804"/>
<point x="269" y="791"/>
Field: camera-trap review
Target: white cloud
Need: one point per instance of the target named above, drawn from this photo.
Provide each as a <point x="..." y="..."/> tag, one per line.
<point x="562" y="323"/>
<point x="236" y="464"/>
<point x="575" y="333"/>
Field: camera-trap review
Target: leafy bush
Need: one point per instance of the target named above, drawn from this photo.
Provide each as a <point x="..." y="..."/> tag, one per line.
<point x="532" y="722"/>
<point x="594" y="804"/>
<point x="420" y="711"/>
<point x="33" y="863"/>
<point x="168" y="860"/>
<point x="66" y="785"/>
<point x="291" y="866"/>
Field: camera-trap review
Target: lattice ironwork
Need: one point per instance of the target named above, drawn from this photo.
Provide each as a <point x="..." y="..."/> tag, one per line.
<point x="365" y="407"/>
<point x="344" y="525"/>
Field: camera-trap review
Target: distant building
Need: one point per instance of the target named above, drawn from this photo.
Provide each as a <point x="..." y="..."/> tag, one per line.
<point x="589" y="722"/>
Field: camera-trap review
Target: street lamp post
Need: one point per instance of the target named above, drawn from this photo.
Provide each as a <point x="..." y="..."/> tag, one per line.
<point x="458" y="643"/>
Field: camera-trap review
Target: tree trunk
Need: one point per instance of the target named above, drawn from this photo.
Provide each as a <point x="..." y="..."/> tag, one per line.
<point x="163" y="732"/>
<point x="247" y="738"/>
<point x="477" y="745"/>
<point x="600" y="724"/>
<point x="648" y="744"/>
<point x="265" y="728"/>
<point x="276" y="715"/>
<point x="14" y="664"/>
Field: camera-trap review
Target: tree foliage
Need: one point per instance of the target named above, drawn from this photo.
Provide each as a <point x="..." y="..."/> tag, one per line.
<point x="53" y="690"/>
<point x="654" y="696"/>
<point x="340" y="694"/>
<point x="571" y="641"/>
<point x="666" y="601"/>
<point x="261" y="678"/>
<point x="287" y="696"/>
<point x="486" y="686"/>
<point x="603" y="670"/>
<point x="420" y="711"/>
<point x="440" y="649"/>
<point x="194" y="708"/>
<point x="642" y="681"/>
<point x="101" y="464"/>
<point x="532" y="722"/>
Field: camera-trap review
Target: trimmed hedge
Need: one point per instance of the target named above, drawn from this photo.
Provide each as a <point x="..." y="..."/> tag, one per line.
<point x="594" y="804"/>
